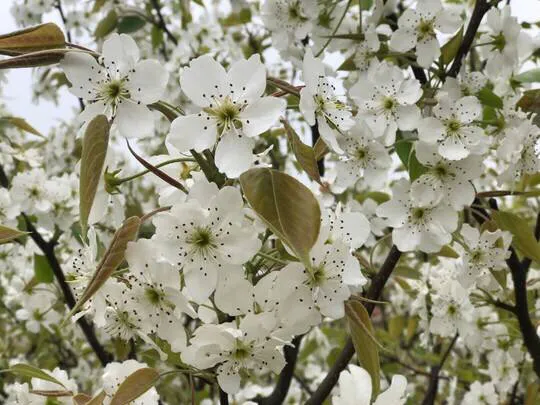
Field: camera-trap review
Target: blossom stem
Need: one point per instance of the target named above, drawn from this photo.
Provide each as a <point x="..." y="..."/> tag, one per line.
<point x="117" y="182"/>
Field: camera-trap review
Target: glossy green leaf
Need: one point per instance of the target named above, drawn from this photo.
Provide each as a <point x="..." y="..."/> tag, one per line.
<point x="287" y="207"/>
<point x="530" y="76"/>
<point x="112" y="258"/>
<point x="107" y="25"/>
<point x="450" y="49"/>
<point x="362" y="335"/>
<point x="42" y="269"/>
<point x="488" y="98"/>
<point x="130" y="23"/>
<point x="135" y="385"/>
<point x="8" y="234"/>
<point x="94" y="151"/>
<point x="38" y="38"/>
<point x="26" y="370"/>
<point x="522" y="234"/>
<point x="305" y="155"/>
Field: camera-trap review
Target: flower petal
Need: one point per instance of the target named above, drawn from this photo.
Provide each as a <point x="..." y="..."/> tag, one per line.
<point x="234" y="154"/>
<point x="203" y="80"/>
<point x="134" y="120"/>
<point x="148" y="81"/>
<point x="260" y="115"/>
<point x="195" y="131"/>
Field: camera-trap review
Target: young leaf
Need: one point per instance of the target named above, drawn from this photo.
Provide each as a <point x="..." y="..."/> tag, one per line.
<point x="35" y="59"/>
<point x="490" y="99"/>
<point x="113" y="257"/>
<point x="522" y="235"/>
<point x="365" y="346"/>
<point x="94" y="150"/>
<point x="21" y="124"/>
<point x="38" y="38"/>
<point x="530" y="76"/>
<point x="8" y="234"/>
<point x="135" y="385"/>
<point x="320" y="149"/>
<point x="29" y="371"/>
<point x="287" y="207"/>
<point x="304" y="154"/>
<point x="42" y="269"/>
<point x="530" y="101"/>
<point x="450" y="49"/>
<point x="97" y="400"/>
<point x="107" y="25"/>
<point x="81" y="399"/>
<point x="52" y="393"/>
<point x="130" y="23"/>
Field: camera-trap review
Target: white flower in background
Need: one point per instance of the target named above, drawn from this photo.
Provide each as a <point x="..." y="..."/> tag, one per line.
<point x="156" y="297"/>
<point x="503" y="367"/>
<point x="445" y="180"/>
<point x="355" y="389"/>
<point x="29" y="192"/>
<point x="118" y="84"/>
<point x="38" y="309"/>
<point x="246" y="348"/>
<point x="377" y="225"/>
<point x="364" y="158"/>
<point x="320" y="105"/>
<point x="481" y="394"/>
<point x="68" y="385"/>
<point x="466" y="84"/>
<point x="453" y="128"/>
<point x="288" y="20"/>
<point x="418" y="28"/>
<point x="8" y="209"/>
<point x="482" y="253"/>
<point x="232" y="111"/>
<point x="426" y="227"/>
<point x="504" y="43"/>
<point x="350" y="227"/>
<point x="115" y="374"/>
<point x="520" y="148"/>
<point x="386" y="100"/>
<point x="202" y="241"/>
<point x="450" y="309"/>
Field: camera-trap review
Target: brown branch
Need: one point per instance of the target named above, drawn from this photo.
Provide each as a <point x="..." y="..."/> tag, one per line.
<point x="374" y="291"/>
<point x="161" y="22"/>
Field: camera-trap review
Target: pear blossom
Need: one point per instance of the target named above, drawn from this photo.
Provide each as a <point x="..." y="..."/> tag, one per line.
<point x="521" y="149"/>
<point x="451" y="309"/>
<point x="386" y="100"/>
<point x="416" y="225"/>
<point x="355" y="389"/>
<point x="247" y="347"/>
<point x="60" y="375"/>
<point x="115" y="374"/>
<point x="418" y="28"/>
<point x="452" y="128"/>
<point x="481" y="394"/>
<point x="319" y="104"/>
<point x="447" y="180"/>
<point x="29" y="192"/>
<point x="232" y="111"/>
<point x="350" y="227"/>
<point x="117" y="84"/>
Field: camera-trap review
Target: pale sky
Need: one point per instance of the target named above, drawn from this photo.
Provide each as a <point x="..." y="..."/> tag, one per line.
<point x="18" y="95"/>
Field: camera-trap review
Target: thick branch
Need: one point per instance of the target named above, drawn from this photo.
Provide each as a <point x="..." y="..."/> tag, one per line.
<point x="282" y="387"/>
<point x="48" y="250"/>
<point x="480" y="9"/>
<point x="374" y="291"/>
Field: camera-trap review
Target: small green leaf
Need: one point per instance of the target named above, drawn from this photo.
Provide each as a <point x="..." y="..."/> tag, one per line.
<point x="38" y="38"/>
<point x="107" y="25"/>
<point x="29" y="371"/>
<point x="488" y="98"/>
<point x="450" y="49"/>
<point x="130" y="23"/>
<point x="42" y="269"/>
<point x="21" y="124"/>
<point x="407" y="272"/>
<point x="362" y="335"/>
<point x="530" y="76"/>
<point x="416" y="169"/>
<point x="447" y="251"/>
<point x="522" y="235"/>
<point x="348" y="65"/>
<point x="304" y="154"/>
<point x="94" y="150"/>
<point x="8" y="234"/>
<point x="98" y="5"/>
<point x="135" y="385"/>
<point x="112" y="258"/>
<point x="287" y="207"/>
<point x="242" y="17"/>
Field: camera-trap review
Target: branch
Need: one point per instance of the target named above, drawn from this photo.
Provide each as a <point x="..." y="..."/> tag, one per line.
<point x="374" y="291"/>
<point x="161" y="22"/>
<point x="223" y="397"/>
<point x="315" y="135"/>
<point x="281" y="389"/>
<point x="48" y="250"/>
<point x="480" y="9"/>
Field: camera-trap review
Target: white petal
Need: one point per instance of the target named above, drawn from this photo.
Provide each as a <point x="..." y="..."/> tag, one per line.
<point x="408" y="117"/>
<point x="468" y="109"/>
<point x="228" y="379"/>
<point x="248" y="79"/>
<point x="402" y="40"/>
<point x="134" y="120"/>
<point x="354" y="228"/>
<point x="204" y="79"/>
<point x="201" y="280"/>
<point x="453" y="148"/>
<point x="120" y="54"/>
<point x="395" y="394"/>
<point x="148" y="82"/>
<point x="83" y="72"/>
<point x="260" y="115"/>
<point x="234" y="154"/>
<point x="430" y="130"/>
<point x="193" y="132"/>
<point x="427" y="51"/>
<point x="312" y="71"/>
<point x="307" y="106"/>
<point x="328" y="134"/>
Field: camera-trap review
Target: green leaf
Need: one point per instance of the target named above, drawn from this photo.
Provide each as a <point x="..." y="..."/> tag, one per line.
<point x="29" y="371"/>
<point x="38" y="38"/>
<point x="112" y="258"/>
<point x="407" y="272"/>
<point x="403" y="150"/>
<point x="81" y="399"/>
<point x="21" y="124"/>
<point x="98" y="5"/>
<point x="135" y="385"/>
<point x="94" y="150"/>
<point x="42" y="269"/>
<point x="348" y="65"/>
<point x="304" y="154"/>
<point x="8" y="234"/>
<point x="107" y="25"/>
<point x="530" y="101"/>
<point x="447" y="251"/>
<point x="488" y="98"/>
<point x="450" y="49"/>
<point x="242" y="17"/>
<point x="362" y="335"/>
<point x="416" y="169"/>
<point x="130" y="23"/>
<point x="287" y="207"/>
<point x="157" y="37"/>
<point x="522" y="235"/>
<point x="530" y="76"/>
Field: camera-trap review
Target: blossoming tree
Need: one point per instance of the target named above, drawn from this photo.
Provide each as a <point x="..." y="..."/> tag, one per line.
<point x="275" y="201"/>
